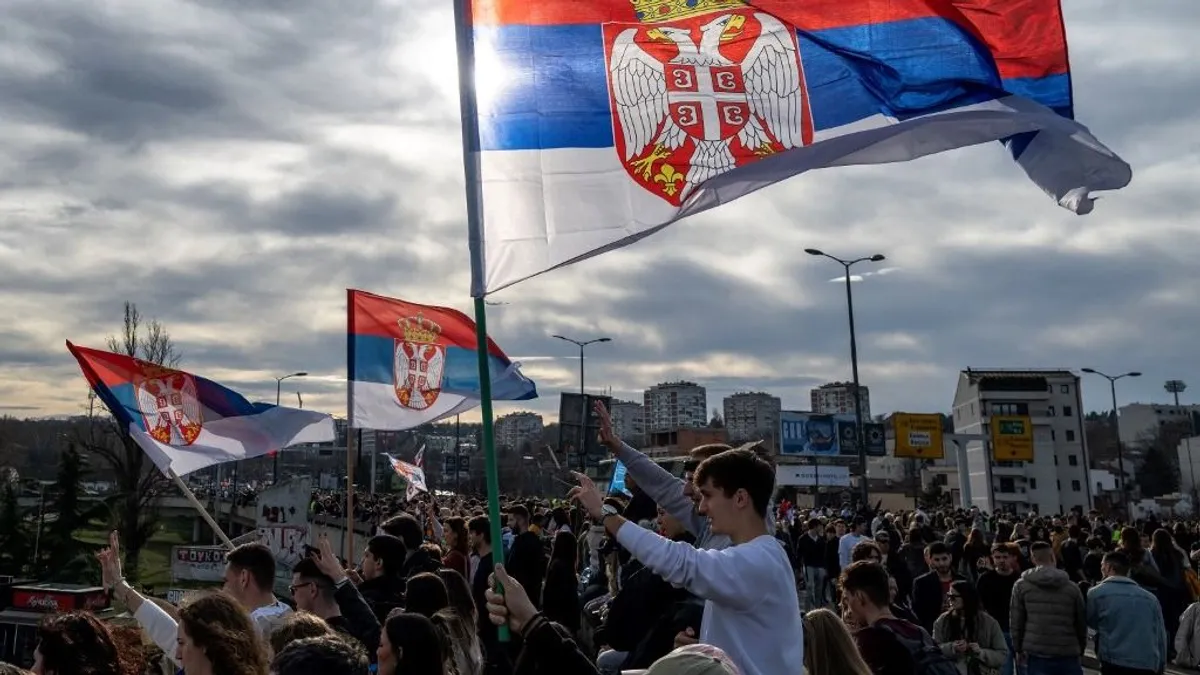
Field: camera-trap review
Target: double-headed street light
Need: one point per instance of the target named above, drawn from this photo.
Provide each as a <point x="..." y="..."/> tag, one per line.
<point x="1112" y="385"/>
<point x="582" y="344"/>
<point x="858" y="417"/>
<point x="278" y="392"/>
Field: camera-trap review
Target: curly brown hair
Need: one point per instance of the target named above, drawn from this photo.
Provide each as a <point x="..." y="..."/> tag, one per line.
<point x="216" y="623"/>
<point x="297" y="626"/>
<point x="77" y="643"/>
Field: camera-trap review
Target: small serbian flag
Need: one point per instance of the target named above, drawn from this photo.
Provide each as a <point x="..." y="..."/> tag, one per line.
<point x="185" y="423"/>
<point x="412" y="474"/>
<point x="419" y="460"/>
<point x="414" y="364"/>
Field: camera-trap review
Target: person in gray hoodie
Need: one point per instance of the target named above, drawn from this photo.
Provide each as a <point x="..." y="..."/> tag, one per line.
<point x="1047" y="618"/>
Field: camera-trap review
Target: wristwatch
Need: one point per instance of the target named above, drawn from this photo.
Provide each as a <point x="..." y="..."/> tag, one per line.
<point x="606" y="511"/>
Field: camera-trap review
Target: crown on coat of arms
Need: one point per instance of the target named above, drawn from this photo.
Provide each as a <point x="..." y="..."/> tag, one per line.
<point x="653" y="11"/>
<point x="419" y="329"/>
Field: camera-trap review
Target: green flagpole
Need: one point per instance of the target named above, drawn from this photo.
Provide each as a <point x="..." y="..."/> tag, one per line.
<point x="465" y="39"/>
<point x="489" y="448"/>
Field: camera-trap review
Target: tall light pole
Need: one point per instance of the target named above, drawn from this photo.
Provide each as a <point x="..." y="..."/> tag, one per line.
<point x="1177" y="387"/>
<point x="1112" y="386"/>
<point x="582" y="396"/>
<point x="278" y="392"/>
<point x="859" y="435"/>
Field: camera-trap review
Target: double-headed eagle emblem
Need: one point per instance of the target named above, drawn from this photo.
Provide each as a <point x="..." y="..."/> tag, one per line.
<point x="695" y="99"/>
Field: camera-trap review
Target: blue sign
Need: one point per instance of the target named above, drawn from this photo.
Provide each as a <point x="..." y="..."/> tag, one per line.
<point x="874" y="433"/>
<point x="617" y="484"/>
<point x="808" y="435"/>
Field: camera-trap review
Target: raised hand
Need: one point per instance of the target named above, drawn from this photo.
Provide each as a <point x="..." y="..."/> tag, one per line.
<point x="588" y="495"/>
<point x="606" y="434"/>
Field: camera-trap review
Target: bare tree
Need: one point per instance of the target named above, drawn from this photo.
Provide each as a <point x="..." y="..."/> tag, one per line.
<point x="139" y="482"/>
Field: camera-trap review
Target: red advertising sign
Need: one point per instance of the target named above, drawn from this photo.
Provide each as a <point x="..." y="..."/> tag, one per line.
<point x="55" y="598"/>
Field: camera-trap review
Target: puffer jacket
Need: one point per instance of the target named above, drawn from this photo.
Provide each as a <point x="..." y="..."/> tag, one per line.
<point x="1047" y="616"/>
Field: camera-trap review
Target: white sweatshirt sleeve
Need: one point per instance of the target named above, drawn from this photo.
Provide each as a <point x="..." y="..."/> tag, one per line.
<point x="727" y="577"/>
<point x="159" y="626"/>
<point x="665" y="489"/>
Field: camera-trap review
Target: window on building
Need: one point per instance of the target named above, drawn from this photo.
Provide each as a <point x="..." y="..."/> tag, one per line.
<point x="972" y="410"/>
<point x="1070" y="434"/>
<point x="1066" y="411"/>
<point x="1072" y="460"/>
<point x="1058" y="484"/>
<point x="1052" y="435"/>
<point x="1056" y="460"/>
<point x="943" y="479"/>
<point x="1050" y="411"/>
<point x="1065" y="388"/>
<point x="1007" y="484"/>
<point x="1032" y="483"/>
<point x="1075" y="486"/>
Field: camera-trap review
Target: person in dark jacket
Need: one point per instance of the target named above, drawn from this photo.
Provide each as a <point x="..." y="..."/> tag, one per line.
<point x="341" y="606"/>
<point x="895" y="565"/>
<point x="560" y="592"/>
<point x="383" y="586"/>
<point x="526" y="560"/>
<point x="929" y="590"/>
<point x="409" y="530"/>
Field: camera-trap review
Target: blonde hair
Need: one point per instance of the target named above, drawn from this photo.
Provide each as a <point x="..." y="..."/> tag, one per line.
<point x="828" y="647"/>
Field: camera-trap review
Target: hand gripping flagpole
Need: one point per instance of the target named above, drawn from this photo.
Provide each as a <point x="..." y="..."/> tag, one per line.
<point x="470" y="142"/>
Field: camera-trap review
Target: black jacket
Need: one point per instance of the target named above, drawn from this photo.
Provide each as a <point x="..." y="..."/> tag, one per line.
<point x="527" y="564"/>
<point x="560" y="595"/>
<point x="809" y="551"/>
<point x="419" y="561"/>
<point x="549" y="650"/>
<point x="928" y="601"/>
<point x="383" y="594"/>
<point x="358" y="619"/>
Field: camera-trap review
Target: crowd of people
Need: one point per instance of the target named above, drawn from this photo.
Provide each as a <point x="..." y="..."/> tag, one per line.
<point x="704" y="574"/>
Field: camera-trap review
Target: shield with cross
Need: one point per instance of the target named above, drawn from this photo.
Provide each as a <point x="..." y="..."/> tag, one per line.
<point x="170" y="409"/>
<point x="417" y="373"/>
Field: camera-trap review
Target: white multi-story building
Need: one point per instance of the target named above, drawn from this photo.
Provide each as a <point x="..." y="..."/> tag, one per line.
<point x="515" y="428"/>
<point x="752" y="416"/>
<point x="1138" y="423"/>
<point x="837" y="398"/>
<point x="1058" y="477"/>
<point x="629" y="421"/>
<point x="675" y="405"/>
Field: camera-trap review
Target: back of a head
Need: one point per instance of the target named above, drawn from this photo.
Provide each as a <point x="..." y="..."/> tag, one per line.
<point x="297" y="626"/>
<point x="406" y="528"/>
<point x="426" y="593"/>
<point x="698" y="659"/>
<point x="1117" y="562"/>
<point x="77" y="642"/>
<point x="417" y="641"/>
<point x="703" y="452"/>
<point x="258" y="561"/>
<point x="323" y="655"/>
<point x="828" y="641"/>
<point x="739" y="469"/>
<point x="1041" y="553"/>
<point x="459" y="592"/>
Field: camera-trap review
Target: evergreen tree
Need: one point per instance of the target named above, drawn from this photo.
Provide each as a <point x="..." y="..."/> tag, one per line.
<point x="58" y="546"/>
<point x="15" y="539"/>
<point x="1157" y="475"/>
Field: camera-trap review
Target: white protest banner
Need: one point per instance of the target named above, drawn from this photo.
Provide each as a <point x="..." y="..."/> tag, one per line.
<point x="282" y="521"/>
<point x="198" y="563"/>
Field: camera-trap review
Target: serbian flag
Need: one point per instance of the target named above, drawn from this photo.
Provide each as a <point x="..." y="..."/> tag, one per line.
<point x="419" y="460"/>
<point x="413" y="364"/>
<point x="185" y="423"/>
<point x="598" y="122"/>
<point x="413" y="476"/>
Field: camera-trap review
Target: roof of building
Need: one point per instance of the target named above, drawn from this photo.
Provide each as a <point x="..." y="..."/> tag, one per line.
<point x="981" y="373"/>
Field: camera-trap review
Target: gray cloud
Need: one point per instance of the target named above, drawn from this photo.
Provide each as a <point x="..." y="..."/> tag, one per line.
<point x="232" y="170"/>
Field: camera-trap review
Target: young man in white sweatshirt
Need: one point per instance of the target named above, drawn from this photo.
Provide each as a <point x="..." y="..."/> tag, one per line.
<point x="751" y="610"/>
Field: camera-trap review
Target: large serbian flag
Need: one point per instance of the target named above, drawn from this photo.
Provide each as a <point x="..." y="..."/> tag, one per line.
<point x="413" y="364"/>
<point x="185" y="423"/>
<point x="599" y="122"/>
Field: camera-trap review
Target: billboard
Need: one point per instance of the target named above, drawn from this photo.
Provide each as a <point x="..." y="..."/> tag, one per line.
<point x="198" y="563"/>
<point x="1012" y="438"/>
<point x="811" y="435"/>
<point x="918" y="436"/>
<point x="808" y="475"/>
<point x="577" y="423"/>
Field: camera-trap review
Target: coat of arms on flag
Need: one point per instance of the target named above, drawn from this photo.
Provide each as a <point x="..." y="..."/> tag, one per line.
<point x="419" y="363"/>
<point x="168" y="403"/>
<point x="701" y="88"/>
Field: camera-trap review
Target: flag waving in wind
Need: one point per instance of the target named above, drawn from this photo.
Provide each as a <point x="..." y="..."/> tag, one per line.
<point x="413" y="364"/>
<point x="597" y="123"/>
<point x="412" y="474"/>
<point x="185" y="423"/>
<point x="419" y="460"/>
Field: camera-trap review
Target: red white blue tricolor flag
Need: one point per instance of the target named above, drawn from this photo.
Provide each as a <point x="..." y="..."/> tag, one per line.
<point x="185" y="423"/>
<point x="412" y="364"/>
<point x="598" y="122"/>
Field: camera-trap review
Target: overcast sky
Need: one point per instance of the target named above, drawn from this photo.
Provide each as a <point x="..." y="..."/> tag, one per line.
<point x="233" y="171"/>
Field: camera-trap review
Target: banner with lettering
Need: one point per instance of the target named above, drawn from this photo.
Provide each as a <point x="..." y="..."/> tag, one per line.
<point x="282" y="524"/>
<point x="198" y="563"/>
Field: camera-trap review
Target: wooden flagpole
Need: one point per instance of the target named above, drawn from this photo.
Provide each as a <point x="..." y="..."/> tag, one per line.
<point x="187" y="493"/>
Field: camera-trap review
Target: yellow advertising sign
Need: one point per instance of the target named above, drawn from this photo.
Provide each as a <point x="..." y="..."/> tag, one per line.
<point x="1012" y="438"/>
<point x="918" y="436"/>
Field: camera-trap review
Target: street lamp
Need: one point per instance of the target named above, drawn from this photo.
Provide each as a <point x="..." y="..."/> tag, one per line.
<point x="278" y="391"/>
<point x="582" y="397"/>
<point x="1176" y="387"/>
<point x="1112" y="385"/>
<point x="858" y="417"/>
